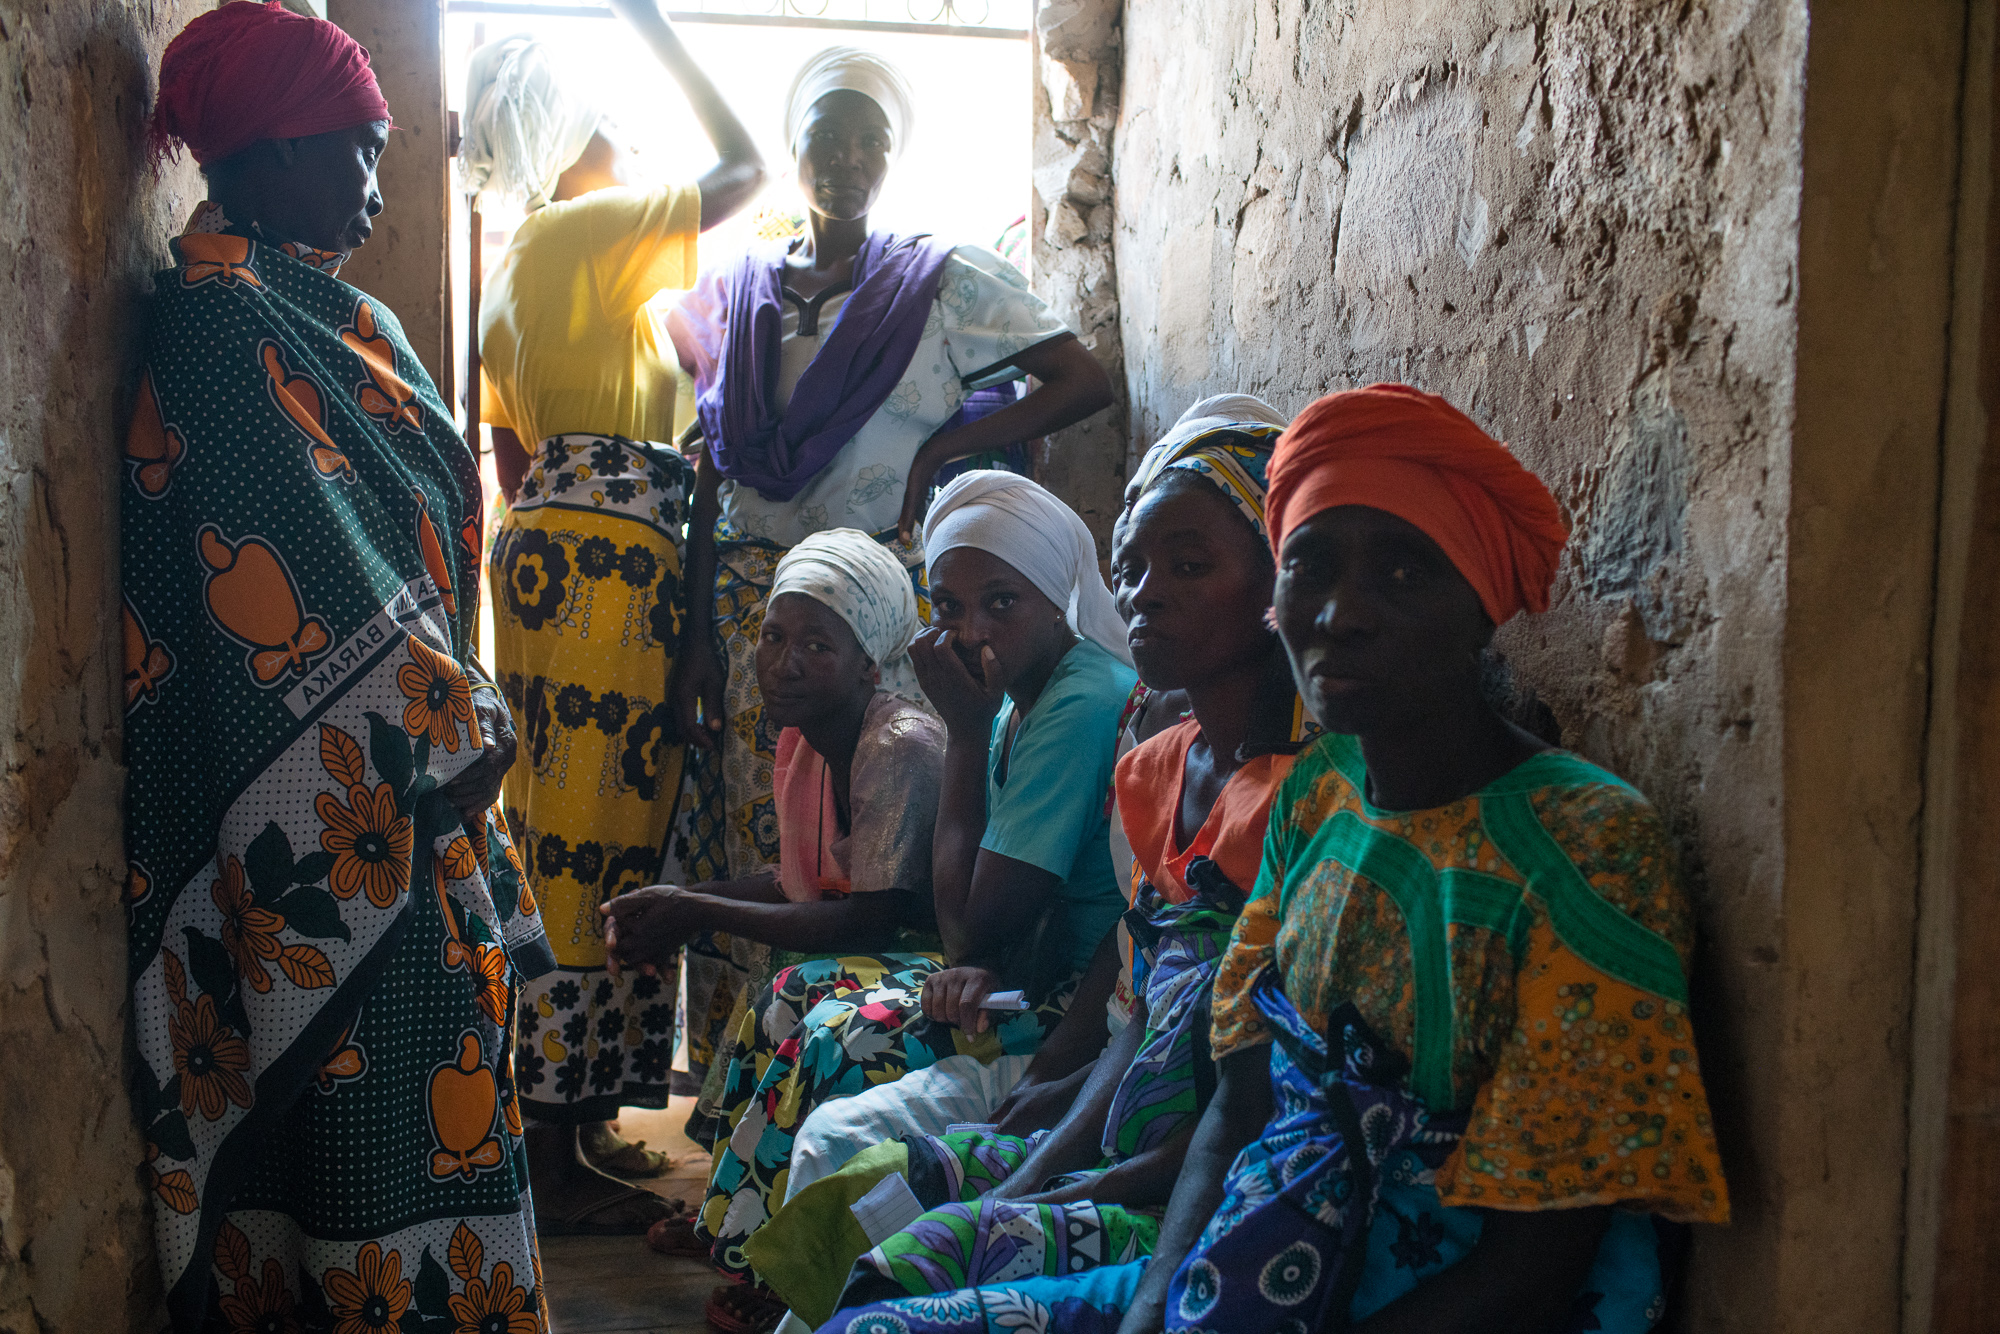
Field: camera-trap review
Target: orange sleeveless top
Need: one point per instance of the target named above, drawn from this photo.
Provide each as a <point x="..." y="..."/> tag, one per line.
<point x="1148" y="782"/>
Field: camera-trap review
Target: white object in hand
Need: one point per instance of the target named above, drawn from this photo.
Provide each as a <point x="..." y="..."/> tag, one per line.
<point x="1005" y="1000"/>
<point x="887" y="1209"/>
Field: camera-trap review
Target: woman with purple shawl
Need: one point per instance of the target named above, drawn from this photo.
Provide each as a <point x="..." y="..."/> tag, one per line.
<point x="832" y="376"/>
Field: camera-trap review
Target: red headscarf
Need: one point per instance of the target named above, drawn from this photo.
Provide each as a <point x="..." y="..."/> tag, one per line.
<point x="1413" y="455"/>
<point x="251" y="71"/>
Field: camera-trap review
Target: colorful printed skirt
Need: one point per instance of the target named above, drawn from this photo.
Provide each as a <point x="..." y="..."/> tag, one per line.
<point x="995" y="1267"/>
<point x="441" y="1198"/>
<point x="1334" y="1209"/>
<point x="822" y="1031"/>
<point x="966" y="1242"/>
<point x="726" y="825"/>
<point x="587" y="611"/>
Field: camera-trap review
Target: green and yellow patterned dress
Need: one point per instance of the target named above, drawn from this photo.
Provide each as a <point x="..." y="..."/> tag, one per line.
<point x="324" y="958"/>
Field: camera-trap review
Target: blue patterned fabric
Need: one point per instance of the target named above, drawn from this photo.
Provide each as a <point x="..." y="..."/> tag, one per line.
<point x="1308" y="1227"/>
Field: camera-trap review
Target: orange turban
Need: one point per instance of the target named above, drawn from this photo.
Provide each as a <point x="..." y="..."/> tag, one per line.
<point x="1413" y="455"/>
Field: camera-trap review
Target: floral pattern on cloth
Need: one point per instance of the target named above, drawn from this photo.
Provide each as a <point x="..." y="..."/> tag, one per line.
<point x="1523" y="948"/>
<point x="586" y="567"/>
<point x="1166" y="1087"/>
<point x="1332" y="1212"/>
<point x="324" y="955"/>
<point x="824" y="1030"/>
<point x="983" y="317"/>
<point x="1176" y="950"/>
<point x="989" y="1243"/>
<point x="1091" y="1302"/>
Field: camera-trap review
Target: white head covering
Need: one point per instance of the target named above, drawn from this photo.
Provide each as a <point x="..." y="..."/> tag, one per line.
<point x="868" y="588"/>
<point x="523" y="128"/>
<point x="1216" y="412"/>
<point x="861" y="71"/>
<point x="1025" y="525"/>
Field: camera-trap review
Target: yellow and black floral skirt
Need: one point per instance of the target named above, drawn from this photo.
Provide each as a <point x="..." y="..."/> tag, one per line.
<point x="587" y="604"/>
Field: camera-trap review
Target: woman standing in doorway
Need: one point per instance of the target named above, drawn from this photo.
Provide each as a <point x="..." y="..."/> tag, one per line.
<point x="587" y="565"/>
<point x="326" y="926"/>
<point x="829" y="374"/>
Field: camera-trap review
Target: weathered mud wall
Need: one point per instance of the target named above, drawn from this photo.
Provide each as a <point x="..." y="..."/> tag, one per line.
<point x="1077" y="72"/>
<point x="1713" y="318"/>
<point x="85" y="225"/>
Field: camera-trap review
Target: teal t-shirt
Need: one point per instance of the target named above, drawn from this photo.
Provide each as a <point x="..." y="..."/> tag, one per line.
<point x="1050" y="811"/>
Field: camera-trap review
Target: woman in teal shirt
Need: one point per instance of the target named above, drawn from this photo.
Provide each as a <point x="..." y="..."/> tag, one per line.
<point x="1024" y="888"/>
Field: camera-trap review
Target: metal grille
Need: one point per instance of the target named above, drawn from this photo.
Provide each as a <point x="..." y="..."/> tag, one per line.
<point x="1005" y="19"/>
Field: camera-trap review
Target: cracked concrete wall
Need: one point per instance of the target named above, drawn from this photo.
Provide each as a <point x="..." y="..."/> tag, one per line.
<point x="1710" y="310"/>
<point x="86" y="224"/>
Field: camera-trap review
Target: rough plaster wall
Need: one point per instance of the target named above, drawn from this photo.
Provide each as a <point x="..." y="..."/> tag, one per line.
<point x="85" y="226"/>
<point x="1077" y="73"/>
<point x="1579" y="223"/>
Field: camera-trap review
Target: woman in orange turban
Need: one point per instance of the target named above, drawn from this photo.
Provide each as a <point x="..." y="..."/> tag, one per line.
<point x="1466" y="941"/>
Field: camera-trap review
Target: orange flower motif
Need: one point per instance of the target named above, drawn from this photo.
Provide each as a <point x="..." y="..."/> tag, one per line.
<point x="249" y="933"/>
<point x="500" y="1307"/>
<point x="209" y="1058"/>
<point x="439" y="698"/>
<point x="370" y="1297"/>
<point x="175" y="1188"/>
<point x="489" y="976"/>
<point x="459" y="861"/>
<point x="370" y="843"/>
<point x="261" y="1308"/>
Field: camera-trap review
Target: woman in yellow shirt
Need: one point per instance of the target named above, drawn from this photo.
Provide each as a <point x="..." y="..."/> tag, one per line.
<point x="587" y="569"/>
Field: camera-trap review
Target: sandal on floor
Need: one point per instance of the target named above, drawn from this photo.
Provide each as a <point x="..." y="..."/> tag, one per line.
<point x="740" y="1309"/>
<point x="675" y="1236"/>
<point x="632" y="1161"/>
<point x="629" y="1214"/>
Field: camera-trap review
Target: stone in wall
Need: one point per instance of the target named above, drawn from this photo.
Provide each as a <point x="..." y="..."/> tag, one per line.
<point x="85" y="225"/>
<point x="1077" y="75"/>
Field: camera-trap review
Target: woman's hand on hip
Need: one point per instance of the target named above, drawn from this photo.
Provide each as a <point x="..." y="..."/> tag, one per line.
<point x="474" y="789"/>
<point x="646" y="928"/>
<point x="967" y="704"/>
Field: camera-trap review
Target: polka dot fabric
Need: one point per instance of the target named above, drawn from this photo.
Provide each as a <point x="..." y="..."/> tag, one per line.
<point x="325" y="957"/>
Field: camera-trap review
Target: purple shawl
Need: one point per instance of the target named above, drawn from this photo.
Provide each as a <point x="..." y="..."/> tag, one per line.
<point x="735" y="318"/>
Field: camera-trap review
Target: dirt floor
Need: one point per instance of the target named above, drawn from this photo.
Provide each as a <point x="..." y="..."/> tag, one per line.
<point x="615" y="1285"/>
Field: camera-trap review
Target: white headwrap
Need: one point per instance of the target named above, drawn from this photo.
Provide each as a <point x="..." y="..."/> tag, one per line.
<point x="1216" y="412"/>
<point x="867" y="587"/>
<point x="523" y="128"/>
<point x="861" y="71"/>
<point x="1025" y="525"/>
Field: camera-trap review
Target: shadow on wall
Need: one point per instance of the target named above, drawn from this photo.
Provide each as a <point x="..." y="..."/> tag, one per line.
<point x="87" y="222"/>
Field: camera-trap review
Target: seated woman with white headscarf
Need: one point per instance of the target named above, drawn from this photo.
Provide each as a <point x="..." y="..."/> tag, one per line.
<point x="587" y="573"/>
<point x="1029" y="654"/>
<point x="832" y="374"/>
